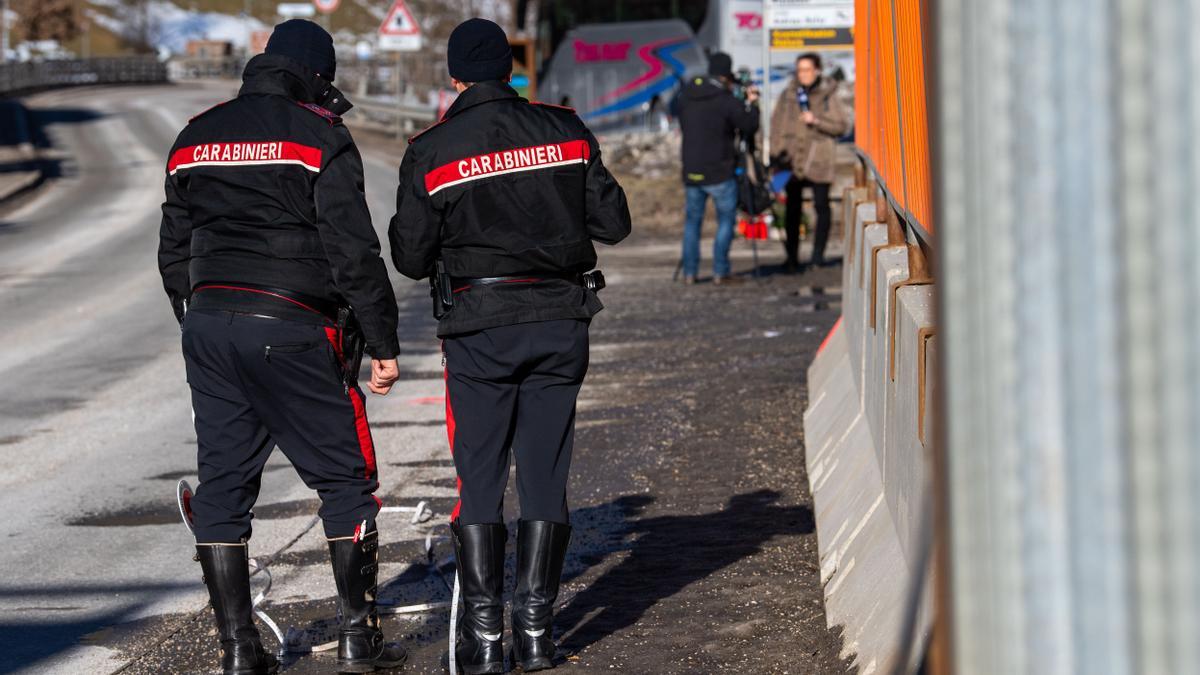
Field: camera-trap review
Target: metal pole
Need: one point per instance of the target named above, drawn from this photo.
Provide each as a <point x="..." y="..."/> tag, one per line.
<point x="765" y="105"/>
<point x="396" y="79"/>
<point x="246" y="21"/>
<point x="3" y="30"/>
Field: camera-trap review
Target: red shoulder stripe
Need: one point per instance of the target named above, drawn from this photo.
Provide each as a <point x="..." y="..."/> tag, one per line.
<point x="551" y="105"/>
<point x="314" y="108"/>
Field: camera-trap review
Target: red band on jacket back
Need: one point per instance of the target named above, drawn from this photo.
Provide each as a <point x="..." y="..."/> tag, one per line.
<point x="252" y="153"/>
<point x="507" y="161"/>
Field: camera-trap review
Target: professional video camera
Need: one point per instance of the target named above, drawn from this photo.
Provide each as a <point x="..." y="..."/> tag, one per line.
<point x="742" y="82"/>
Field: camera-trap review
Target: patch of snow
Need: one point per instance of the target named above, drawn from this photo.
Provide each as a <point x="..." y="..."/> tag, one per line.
<point x="171" y="26"/>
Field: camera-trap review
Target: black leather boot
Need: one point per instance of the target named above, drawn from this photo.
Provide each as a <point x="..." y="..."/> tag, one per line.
<point x="227" y="576"/>
<point x="361" y="648"/>
<point x="541" y="547"/>
<point x="479" y="550"/>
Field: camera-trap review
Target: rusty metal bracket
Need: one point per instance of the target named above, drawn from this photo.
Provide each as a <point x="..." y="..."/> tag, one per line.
<point x="893" y="322"/>
<point x="923" y="335"/>
<point x="918" y="275"/>
<point x="852" y="245"/>
<point x="875" y="274"/>
<point x="850" y="220"/>
<point x="881" y="208"/>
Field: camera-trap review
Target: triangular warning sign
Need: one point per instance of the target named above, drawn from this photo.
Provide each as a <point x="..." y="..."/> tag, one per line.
<point x="399" y="21"/>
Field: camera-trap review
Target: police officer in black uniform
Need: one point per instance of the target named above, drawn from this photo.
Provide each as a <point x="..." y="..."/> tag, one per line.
<point x="271" y="263"/>
<point x="504" y="198"/>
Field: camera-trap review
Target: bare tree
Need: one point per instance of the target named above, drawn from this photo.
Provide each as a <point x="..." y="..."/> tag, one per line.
<point x="47" y="19"/>
<point x="141" y="30"/>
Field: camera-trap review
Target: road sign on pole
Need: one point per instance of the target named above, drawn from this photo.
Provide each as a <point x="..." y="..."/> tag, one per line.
<point x="803" y="25"/>
<point x="295" y="10"/>
<point x="400" y="31"/>
<point x="327" y="6"/>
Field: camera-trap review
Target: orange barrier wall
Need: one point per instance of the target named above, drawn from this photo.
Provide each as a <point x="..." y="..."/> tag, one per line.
<point x="891" y="123"/>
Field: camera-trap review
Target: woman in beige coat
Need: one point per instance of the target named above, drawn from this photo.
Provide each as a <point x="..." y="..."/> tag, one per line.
<point x="805" y="125"/>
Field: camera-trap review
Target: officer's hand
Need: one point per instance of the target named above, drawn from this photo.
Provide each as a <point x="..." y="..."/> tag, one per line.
<point x="384" y="373"/>
<point x="751" y="94"/>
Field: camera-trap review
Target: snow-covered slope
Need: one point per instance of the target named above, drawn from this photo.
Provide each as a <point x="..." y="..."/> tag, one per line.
<point x="170" y="26"/>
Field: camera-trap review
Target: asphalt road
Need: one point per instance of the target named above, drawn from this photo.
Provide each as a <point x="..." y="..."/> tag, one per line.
<point x="693" y="551"/>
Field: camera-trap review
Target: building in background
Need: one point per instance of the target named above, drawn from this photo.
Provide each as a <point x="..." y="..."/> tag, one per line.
<point x="209" y="49"/>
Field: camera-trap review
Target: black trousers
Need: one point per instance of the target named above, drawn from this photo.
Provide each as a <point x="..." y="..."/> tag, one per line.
<point x="514" y="389"/>
<point x="257" y="382"/>
<point x="795" y="206"/>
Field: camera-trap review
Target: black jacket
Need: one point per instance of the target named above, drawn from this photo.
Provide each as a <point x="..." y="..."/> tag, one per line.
<point x="267" y="190"/>
<point x="709" y="117"/>
<point x="503" y="187"/>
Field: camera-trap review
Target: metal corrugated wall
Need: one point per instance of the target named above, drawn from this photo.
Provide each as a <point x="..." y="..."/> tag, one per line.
<point x="1067" y="202"/>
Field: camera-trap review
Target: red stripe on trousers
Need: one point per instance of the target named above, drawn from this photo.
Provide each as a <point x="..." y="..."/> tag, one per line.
<point x="365" y="445"/>
<point x="450" y="437"/>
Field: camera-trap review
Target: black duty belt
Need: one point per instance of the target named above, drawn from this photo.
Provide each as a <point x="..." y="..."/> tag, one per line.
<point x="325" y="308"/>
<point x="592" y="280"/>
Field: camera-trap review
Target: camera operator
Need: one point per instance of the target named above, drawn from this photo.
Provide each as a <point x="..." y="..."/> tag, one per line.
<point x="711" y="117"/>
<point x="805" y="125"/>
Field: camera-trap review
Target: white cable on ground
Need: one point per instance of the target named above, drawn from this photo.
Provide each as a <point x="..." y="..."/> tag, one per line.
<point x="421" y="513"/>
<point x="262" y="596"/>
<point x="454" y="625"/>
<point x="413" y="609"/>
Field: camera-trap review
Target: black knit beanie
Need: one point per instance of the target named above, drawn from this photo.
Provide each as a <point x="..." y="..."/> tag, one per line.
<point x="478" y="52"/>
<point x="306" y="43"/>
<point x="720" y="65"/>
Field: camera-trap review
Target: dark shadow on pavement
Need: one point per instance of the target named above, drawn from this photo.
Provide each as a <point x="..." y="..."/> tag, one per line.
<point x="667" y="554"/>
<point x="27" y="641"/>
<point x="41" y="118"/>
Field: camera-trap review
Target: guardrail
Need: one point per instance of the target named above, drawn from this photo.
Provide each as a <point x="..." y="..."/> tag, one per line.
<point x="397" y="119"/>
<point x="188" y="68"/>
<point x="20" y="78"/>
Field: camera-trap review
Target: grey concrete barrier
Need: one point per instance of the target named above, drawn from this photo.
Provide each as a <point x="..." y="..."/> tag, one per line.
<point x="890" y="266"/>
<point x="867" y="432"/>
<point x="852" y="292"/>
<point x="908" y="405"/>
<point x="389" y="117"/>
<point x="860" y="555"/>
<point x="874" y="235"/>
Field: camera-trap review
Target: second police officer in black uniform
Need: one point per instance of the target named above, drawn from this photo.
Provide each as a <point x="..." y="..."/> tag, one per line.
<point x="265" y="246"/>
<point x="500" y="203"/>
